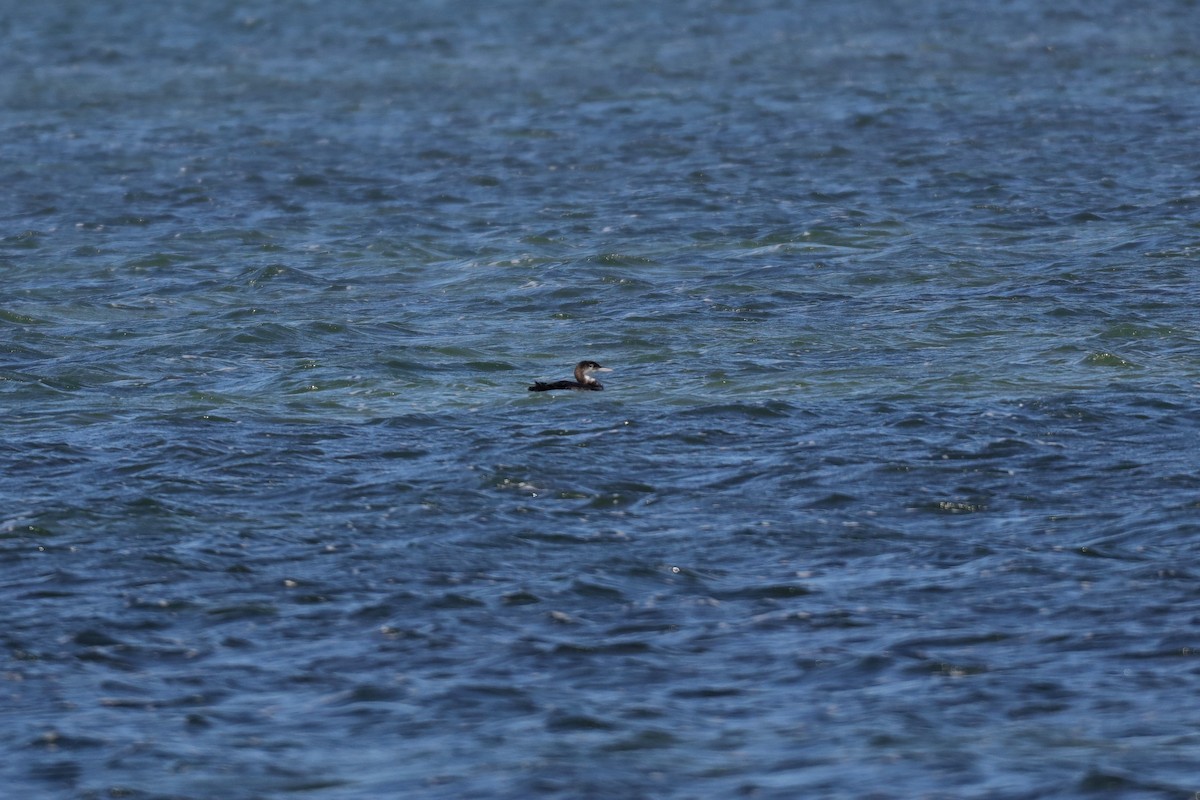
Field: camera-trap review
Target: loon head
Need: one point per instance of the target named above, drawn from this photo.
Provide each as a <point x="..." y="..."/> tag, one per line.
<point x="584" y="370"/>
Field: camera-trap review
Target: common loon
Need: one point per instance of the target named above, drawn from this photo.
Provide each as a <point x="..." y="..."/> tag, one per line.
<point x="583" y="379"/>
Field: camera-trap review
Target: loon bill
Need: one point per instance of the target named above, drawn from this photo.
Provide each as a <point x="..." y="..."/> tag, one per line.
<point x="583" y="379"/>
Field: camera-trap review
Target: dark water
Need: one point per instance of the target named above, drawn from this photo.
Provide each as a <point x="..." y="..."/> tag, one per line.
<point x="893" y="492"/>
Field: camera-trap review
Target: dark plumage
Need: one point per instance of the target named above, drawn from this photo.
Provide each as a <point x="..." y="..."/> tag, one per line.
<point x="583" y="379"/>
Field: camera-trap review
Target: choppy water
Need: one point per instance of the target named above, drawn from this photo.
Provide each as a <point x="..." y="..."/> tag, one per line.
<point x="893" y="491"/>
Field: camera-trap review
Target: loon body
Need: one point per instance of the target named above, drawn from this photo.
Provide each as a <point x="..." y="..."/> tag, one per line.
<point x="583" y="379"/>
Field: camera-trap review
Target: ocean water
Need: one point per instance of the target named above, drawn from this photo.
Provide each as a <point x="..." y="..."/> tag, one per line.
<point x="894" y="490"/>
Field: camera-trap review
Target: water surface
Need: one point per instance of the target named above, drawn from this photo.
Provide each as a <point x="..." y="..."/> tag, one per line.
<point x="893" y="490"/>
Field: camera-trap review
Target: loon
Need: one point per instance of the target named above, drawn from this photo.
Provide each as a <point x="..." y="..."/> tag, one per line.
<point x="583" y="379"/>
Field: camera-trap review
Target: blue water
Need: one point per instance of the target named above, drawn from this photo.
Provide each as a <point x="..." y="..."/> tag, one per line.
<point x="893" y="491"/>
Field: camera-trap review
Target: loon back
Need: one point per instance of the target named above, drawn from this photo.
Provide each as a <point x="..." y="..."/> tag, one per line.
<point x="541" y="386"/>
